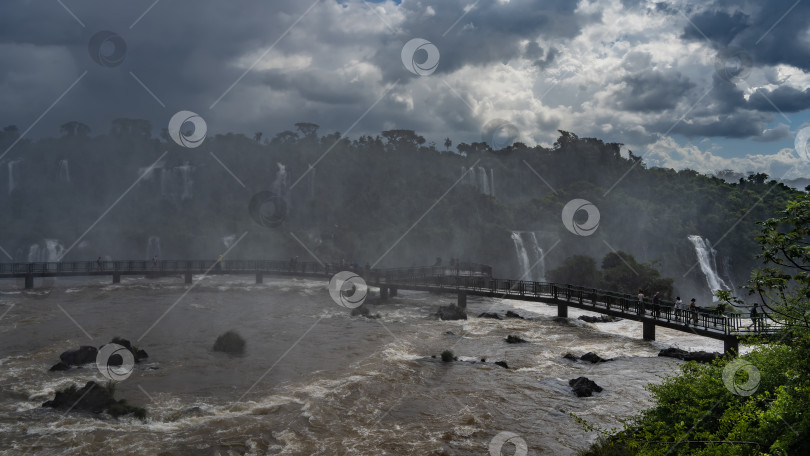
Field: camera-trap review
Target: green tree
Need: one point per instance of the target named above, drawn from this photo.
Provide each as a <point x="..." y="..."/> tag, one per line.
<point x="577" y="270"/>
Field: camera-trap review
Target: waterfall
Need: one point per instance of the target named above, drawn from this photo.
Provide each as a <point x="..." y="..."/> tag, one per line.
<point x="13" y="180"/>
<point x="185" y="181"/>
<point x="311" y="181"/>
<point x="280" y="183"/>
<point x="727" y="271"/>
<point x="153" y="248"/>
<point x="479" y="178"/>
<point x="540" y="259"/>
<point x="64" y="171"/>
<point x="165" y="182"/>
<point x="708" y="264"/>
<point x="483" y="180"/>
<point x="48" y="251"/>
<point x="522" y="256"/>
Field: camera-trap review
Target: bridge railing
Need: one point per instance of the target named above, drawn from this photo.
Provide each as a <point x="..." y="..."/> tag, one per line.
<point x="664" y="311"/>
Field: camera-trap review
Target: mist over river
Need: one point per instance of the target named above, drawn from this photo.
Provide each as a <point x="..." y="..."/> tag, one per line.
<point x="313" y="380"/>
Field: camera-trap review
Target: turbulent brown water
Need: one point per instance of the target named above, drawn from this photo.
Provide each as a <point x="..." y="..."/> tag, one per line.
<point x="313" y="380"/>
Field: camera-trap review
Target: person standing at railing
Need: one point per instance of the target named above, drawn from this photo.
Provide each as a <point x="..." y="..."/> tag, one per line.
<point x="641" y="302"/>
<point x="100" y="264"/>
<point x="693" y="311"/>
<point x="656" y="305"/>
<point x="678" y="308"/>
<point x="755" y="318"/>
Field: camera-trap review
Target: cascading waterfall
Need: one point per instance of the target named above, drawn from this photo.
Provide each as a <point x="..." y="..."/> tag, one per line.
<point x="165" y="182"/>
<point x="228" y="240"/>
<point x="708" y="264"/>
<point x="311" y="181"/>
<point x="480" y="179"/>
<point x="532" y="260"/>
<point x="540" y="268"/>
<point x="13" y="178"/>
<point x="280" y="183"/>
<point x="186" y="184"/>
<point x="153" y="248"/>
<point x="48" y="251"/>
<point x="483" y="180"/>
<point x="522" y="256"/>
<point x="64" y="171"/>
<point x="727" y="272"/>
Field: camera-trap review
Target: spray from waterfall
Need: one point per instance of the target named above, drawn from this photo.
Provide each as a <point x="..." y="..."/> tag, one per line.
<point x="479" y="178"/>
<point x="13" y="178"/>
<point x="64" y="171"/>
<point x="532" y="260"/>
<point x="185" y="181"/>
<point x="153" y="248"/>
<point x="707" y="258"/>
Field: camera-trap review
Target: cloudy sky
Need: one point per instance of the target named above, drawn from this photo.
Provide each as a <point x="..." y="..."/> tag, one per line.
<point x="708" y="84"/>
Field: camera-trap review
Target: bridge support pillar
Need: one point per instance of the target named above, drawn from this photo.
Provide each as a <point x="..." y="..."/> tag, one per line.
<point x="29" y="281"/>
<point x="383" y="293"/>
<point x="462" y="299"/>
<point x="259" y="277"/>
<point x="648" y="330"/>
<point x="188" y="277"/>
<point x="116" y="277"/>
<point x="562" y="310"/>
<point x="731" y="346"/>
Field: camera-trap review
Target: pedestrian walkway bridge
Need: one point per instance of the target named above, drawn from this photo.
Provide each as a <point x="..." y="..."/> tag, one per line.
<point x="463" y="279"/>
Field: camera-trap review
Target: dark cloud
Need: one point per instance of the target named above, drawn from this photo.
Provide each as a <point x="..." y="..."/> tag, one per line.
<point x="772" y="33"/>
<point x="652" y="90"/>
<point x="781" y="99"/>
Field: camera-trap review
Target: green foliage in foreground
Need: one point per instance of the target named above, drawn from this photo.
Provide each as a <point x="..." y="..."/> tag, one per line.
<point x="696" y="414"/>
<point x="759" y="403"/>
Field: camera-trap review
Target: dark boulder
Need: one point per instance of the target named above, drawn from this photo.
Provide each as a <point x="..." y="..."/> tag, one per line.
<point x="451" y="312"/>
<point x="592" y="357"/>
<point x="363" y="311"/>
<point x="699" y="356"/>
<point x="82" y="355"/>
<point x="583" y="387"/>
<point x="502" y="364"/>
<point x="599" y="319"/>
<point x="231" y="343"/>
<point x="510" y="339"/>
<point x="571" y="357"/>
<point x="510" y="314"/>
<point x="60" y="366"/>
<point x="492" y="315"/>
<point x="92" y="398"/>
<point x="137" y="353"/>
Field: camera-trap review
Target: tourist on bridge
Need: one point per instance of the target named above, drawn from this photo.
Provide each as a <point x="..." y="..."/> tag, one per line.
<point x="678" y="308"/>
<point x="641" y="302"/>
<point x="100" y="264"/>
<point x="656" y="304"/>
<point x="756" y="319"/>
<point x="693" y="310"/>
